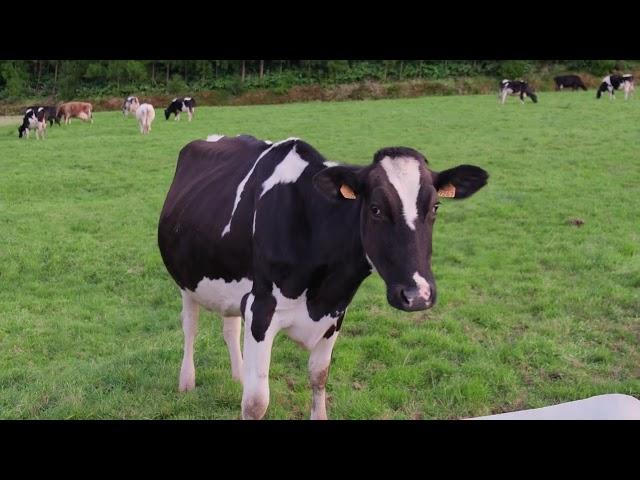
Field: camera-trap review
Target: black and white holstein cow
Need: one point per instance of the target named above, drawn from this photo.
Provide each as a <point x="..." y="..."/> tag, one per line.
<point x="274" y="234"/>
<point x="573" y="82"/>
<point x="611" y="83"/>
<point x="516" y="87"/>
<point x="178" y="105"/>
<point x="34" y="119"/>
<point x="50" y="111"/>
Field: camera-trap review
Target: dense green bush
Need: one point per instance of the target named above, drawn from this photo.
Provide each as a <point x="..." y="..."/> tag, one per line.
<point x="94" y="78"/>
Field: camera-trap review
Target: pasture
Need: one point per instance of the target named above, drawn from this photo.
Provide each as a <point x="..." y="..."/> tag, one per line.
<point x="533" y="309"/>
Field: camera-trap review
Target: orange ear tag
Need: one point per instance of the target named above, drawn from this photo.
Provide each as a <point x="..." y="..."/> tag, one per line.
<point x="346" y="192"/>
<point x="448" y="191"/>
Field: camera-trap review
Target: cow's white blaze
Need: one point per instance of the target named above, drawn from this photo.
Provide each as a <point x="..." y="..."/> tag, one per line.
<point x="214" y="137"/>
<point x="244" y="181"/>
<point x="287" y="171"/>
<point x="331" y="164"/>
<point x="423" y="286"/>
<point x="224" y="297"/>
<point x="404" y="174"/>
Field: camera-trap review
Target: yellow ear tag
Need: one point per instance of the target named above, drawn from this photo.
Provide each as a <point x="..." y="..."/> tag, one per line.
<point x="448" y="191"/>
<point x="346" y="192"/>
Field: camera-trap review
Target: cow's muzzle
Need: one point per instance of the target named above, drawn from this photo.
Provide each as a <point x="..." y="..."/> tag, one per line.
<point x="410" y="298"/>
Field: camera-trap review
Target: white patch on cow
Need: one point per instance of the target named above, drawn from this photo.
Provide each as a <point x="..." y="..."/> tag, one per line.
<point x="330" y="164"/>
<point x="423" y="286"/>
<point x="224" y="297"/>
<point x="214" y="138"/>
<point x="40" y="109"/>
<point x="186" y="99"/>
<point x="244" y="181"/>
<point x="28" y="110"/>
<point x="607" y="80"/>
<point x="292" y="315"/>
<point x="287" y="171"/>
<point x="174" y="99"/>
<point x="404" y="174"/>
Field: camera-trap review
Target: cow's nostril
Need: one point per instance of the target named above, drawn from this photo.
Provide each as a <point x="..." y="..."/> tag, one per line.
<point x="404" y="298"/>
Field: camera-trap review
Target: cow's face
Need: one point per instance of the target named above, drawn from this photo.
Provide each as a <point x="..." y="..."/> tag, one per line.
<point x="21" y="130"/>
<point x="167" y="112"/>
<point x="398" y="198"/>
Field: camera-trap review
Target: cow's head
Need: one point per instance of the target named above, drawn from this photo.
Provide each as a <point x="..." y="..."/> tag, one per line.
<point x="398" y="200"/>
<point x="21" y="130"/>
<point x="167" y="112"/>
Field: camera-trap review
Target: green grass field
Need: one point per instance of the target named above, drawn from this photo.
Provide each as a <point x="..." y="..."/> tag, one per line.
<point x="532" y="310"/>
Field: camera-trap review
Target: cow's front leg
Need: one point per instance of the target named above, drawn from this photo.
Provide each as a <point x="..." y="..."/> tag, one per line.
<point x="319" y="361"/>
<point x="259" y="333"/>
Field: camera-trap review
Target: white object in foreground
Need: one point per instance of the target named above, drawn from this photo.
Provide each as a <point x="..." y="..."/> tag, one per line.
<point x="602" y="407"/>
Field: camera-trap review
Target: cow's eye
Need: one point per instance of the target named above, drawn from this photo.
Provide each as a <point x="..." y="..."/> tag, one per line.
<point x="375" y="211"/>
<point x="435" y="207"/>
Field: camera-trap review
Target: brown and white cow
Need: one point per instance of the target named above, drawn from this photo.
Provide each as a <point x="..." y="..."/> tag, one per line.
<point x="81" y="110"/>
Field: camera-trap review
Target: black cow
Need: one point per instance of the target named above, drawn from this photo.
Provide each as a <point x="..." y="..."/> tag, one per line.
<point x="183" y="104"/>
<point x="275" y="234"/>
<point x="34" y="118"/>
<point x="516" y="87"/>
<point x="573" y="82"/>
<point x="50" y="111"/>
<point x="613" y="82"/>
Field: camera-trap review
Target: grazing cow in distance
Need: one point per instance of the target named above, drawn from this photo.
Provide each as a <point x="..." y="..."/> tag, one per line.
<point x="50" y="111"/>
<point x="34" y="118"/>
<point x="178" y="105"/>
<point x="145" y="115"/>
<point x="613" y="82"/>
<point x="130" y="105"/>
<point x="81" y="110"/>
<point x="274" y="234"/>
<point x="573" y="82"/>
<point x="516" y="87"/>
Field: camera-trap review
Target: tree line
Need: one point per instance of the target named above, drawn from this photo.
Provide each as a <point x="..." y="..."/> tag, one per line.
<point x="75" y="78"/>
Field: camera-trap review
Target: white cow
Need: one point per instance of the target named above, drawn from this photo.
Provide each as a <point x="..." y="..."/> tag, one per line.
<point x="145" y="115"/>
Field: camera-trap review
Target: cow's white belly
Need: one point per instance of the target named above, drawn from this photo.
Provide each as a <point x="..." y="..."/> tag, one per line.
<point x="223" y="297"/>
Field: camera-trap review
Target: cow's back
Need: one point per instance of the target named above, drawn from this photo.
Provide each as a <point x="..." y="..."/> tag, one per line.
<point x="199" y="206"/>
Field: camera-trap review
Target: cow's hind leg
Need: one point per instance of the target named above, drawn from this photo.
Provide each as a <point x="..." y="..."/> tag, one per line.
<point x="318" y="373"/>
<point x="231" y="332"/>
<point x="190" y="313"/>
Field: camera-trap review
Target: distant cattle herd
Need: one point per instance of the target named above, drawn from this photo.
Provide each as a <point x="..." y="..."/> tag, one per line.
<point x="36" y="116"/>
<point x="610" y="84"/>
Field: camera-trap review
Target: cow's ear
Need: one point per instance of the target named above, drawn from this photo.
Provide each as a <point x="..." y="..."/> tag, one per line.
<point x="341" y="182"/>
<point x="459" y="182"/>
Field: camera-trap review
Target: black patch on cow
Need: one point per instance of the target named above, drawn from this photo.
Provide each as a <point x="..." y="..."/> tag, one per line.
<point x="263" y="309"/>
<point x="339" y="322"/>
<point x="330" y="331"/>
